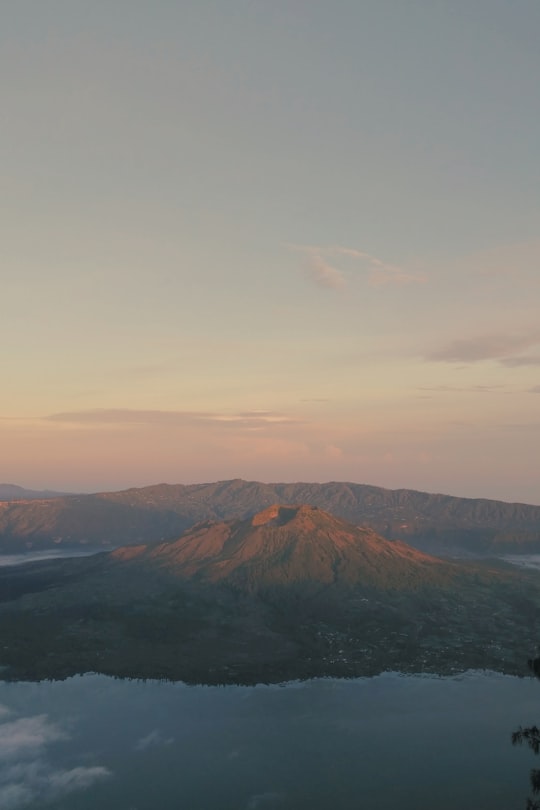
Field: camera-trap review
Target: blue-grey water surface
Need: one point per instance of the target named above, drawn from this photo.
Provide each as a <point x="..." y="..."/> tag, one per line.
<point x="372" y="744"/>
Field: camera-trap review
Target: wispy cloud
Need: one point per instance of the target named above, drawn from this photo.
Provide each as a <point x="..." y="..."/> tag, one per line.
<point x="523" y="360"/>
<point x="381" y="272"/>
<point x="26" y="775"/>
<point x="320" y="267"/>
<point x="152" y="740"/>
<point x="77" y="778"/>
<point x="26" y="735"/>
<point x="270" y="799"/>
<point x="520" y="426"/>
<point x="323" y="273"/>
<point x="466" y="389"/>
<point x="488" y="347"/>
<point x="124" y="416"/>
<point x="140" y="372"/>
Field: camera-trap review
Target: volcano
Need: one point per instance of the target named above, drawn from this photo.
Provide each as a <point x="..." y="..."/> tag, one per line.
<point x="289" y="544"/>
<point x="291" y="592"/>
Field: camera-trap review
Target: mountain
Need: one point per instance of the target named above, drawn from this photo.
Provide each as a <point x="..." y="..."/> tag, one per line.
<point x="431" y="522"/>
<point x="289" y="545"/>
<point x="290" y="592"/>
<point x="12" y="492"/>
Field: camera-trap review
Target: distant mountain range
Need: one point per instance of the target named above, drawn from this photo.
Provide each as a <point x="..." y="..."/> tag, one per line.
<point x="435" y="523"/>
<point x="12" y="492"/>
<point x="290" y="592"/>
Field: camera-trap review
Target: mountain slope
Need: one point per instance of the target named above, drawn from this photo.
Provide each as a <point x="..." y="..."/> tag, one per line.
<point x="291" y="592"/>
<point x="283" y="545"/>
<point x="150" y="514"/>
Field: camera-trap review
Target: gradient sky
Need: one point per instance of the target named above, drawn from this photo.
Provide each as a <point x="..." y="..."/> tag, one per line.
<point x="271" y="239"/>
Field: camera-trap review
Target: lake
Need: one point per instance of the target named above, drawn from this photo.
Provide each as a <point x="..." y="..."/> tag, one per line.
<point x="366" y="744"/>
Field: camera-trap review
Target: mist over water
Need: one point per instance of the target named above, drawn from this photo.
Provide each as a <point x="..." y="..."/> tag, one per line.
<point x="523" y="560"/>
<point x="36" y="556"/>
<point x="412" y="742"/>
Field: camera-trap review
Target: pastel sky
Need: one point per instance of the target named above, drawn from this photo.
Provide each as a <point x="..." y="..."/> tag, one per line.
<point x="271" y="239"/>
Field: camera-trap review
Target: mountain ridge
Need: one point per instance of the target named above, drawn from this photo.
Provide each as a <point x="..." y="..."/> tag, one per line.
<point x="290" y="592"/>
<point x="431" y="522"/>
<point x="9" y="492"/>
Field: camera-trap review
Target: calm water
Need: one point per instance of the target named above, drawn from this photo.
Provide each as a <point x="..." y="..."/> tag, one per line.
<point x="368" y="744"/>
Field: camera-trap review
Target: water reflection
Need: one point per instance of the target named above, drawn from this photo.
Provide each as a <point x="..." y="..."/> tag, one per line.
<point x="93" y="741"/>
<point x="530" y="735"/>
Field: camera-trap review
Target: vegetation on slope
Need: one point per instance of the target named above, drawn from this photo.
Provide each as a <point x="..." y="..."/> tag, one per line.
<point x="431" y="522"/>
<point x="291" y="593"/>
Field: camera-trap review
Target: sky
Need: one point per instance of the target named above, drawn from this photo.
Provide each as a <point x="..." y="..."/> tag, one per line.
<point x="277" y="240"/>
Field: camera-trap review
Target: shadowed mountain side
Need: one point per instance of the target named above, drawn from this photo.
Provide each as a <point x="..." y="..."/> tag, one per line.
<point x="82" y="521"/>
<point x="292" y="592"/>
<point x="434" y="523"/>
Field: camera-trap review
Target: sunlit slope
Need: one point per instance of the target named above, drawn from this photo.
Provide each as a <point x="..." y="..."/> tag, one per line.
<point x="290" y="592"/>
<point x="286" y="544"/>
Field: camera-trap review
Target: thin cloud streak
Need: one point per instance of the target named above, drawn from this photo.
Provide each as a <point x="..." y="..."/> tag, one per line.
<point x="379" y="273"/>
<point x="154" y="739"/>
<point x="324" y="274"/>
<point x="122" y="416"/>
<point x="382" y="273"/>
<point x="524" y="360"/>
<point x="487" y="347"/>
<point x="520" y="426"/>
<point x="470" y="389"/>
